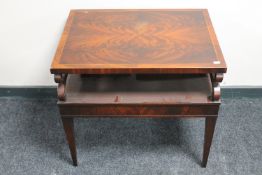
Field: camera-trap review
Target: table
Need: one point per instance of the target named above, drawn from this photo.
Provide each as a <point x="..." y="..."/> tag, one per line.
<point x="162" y="63"/>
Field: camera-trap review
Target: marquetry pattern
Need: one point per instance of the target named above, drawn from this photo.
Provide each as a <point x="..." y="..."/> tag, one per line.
<point x="138" y="38"/>
<point x="151" y="44"/>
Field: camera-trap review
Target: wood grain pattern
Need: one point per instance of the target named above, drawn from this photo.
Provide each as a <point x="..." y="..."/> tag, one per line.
<point x="138" y="41"/>
<point x="149" y="48"/>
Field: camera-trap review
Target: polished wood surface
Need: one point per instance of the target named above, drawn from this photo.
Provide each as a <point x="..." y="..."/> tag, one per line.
<point x="138" y="41"/>
<point x="139" y="63"/>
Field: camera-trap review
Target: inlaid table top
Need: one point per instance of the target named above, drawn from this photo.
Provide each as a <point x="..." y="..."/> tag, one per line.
<point x="138" y="41"/>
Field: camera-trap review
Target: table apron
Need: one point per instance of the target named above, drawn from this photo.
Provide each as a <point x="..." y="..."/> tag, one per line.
<point x="139" y="111"/>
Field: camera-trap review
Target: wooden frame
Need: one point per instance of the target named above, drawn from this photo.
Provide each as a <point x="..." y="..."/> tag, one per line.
<point x="72" y="58"/>
<point x="209" y="111"/>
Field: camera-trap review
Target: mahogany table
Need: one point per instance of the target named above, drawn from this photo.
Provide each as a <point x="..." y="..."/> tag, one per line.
<point x="139" y="63"/>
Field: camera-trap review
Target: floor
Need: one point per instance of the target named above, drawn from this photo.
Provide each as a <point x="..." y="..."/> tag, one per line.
<point x="32" y="141"/>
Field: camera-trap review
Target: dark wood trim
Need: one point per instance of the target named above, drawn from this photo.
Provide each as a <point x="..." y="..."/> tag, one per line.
<point x="210" y="124"/>
<point x="139" y="111"/>
<point x="68" y="124"/>
<point x="61" y="80"/>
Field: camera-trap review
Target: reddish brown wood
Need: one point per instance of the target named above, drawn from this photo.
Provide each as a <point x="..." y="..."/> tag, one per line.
<point x="61" y="80"/>
<point x="61" y="92"/>
<point x="68" y="124"/>
<point x="127" y="96"/>
<point x="210" y="124"/>
<point x="138" y="41"/>
<point x="139" y="111"/>
<point x="159" y="63"/>
<point x="141" y="97"/>
<point x="216" y="79"/>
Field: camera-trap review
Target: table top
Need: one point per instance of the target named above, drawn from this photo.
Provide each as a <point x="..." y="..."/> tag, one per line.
<point x="138" y="41"/>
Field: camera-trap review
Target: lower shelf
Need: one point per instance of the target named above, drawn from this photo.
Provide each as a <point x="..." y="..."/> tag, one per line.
<point x="176" y="89"/>
<point x="138" y="96"/>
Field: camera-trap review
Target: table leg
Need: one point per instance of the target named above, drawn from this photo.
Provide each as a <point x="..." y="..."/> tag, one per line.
<point x="210" y="124"/>
<point x="68" y="124"/>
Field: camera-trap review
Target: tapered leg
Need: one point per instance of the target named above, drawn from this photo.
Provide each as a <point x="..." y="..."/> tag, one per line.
<point x="210" y="124"/>
<point x="68" y="124"/>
